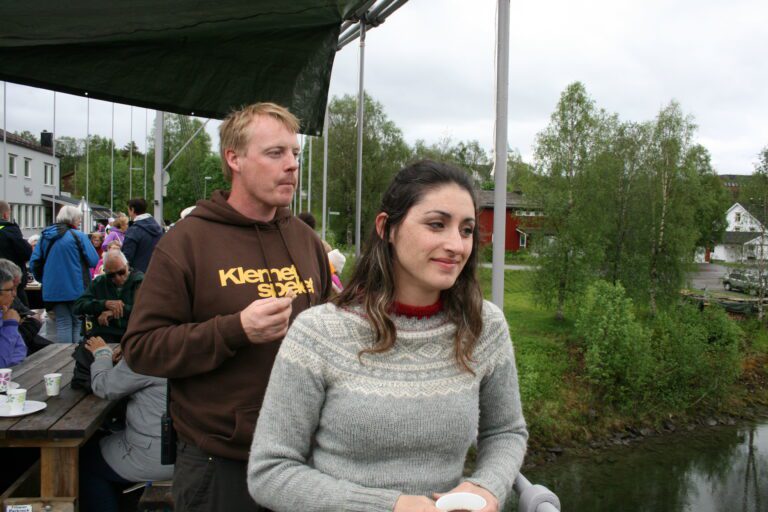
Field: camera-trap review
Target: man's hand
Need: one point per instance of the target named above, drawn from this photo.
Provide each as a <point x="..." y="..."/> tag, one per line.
<point x="116" y="307"/>
<point x="406" y="503"/>
<point x="491" y="502"/>
<point x="105" y="317"/>
<point x="11" y="314"/>
<point x="266" y="320"/>
<point x="95" y="343"/>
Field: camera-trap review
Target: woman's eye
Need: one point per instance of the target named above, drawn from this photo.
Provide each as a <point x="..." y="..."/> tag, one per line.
<point x="436" y="225"/>
<point x="467" y="232"/>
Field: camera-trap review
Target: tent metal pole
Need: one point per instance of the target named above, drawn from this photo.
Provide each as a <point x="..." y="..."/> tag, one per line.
<point x="325" y="173"/>
<point x="159" y="167"/>
<point x="5" y="141"/>
<point x="500" y="153"/>
<point x="130" y="160"/>
<point x="146" y="148"/>
<point x="360" y="110"/>
<point x="301" y="172"/>
<point x="112" y="167"/>
<point x="87" y="146"/>
<point x="189" y="141"/>
<point x="309" y="178"/>
<point x="54" y="125"/>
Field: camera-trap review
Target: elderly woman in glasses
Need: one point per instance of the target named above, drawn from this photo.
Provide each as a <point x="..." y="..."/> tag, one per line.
<point x="109" y="299"/>
<point x="12" y="347"/>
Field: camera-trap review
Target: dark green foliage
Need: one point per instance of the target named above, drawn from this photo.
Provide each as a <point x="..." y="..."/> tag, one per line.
<point x="617" y="355"/>
<point x="684" y="356"/>
<point x="696" y="354"/>
<point x="385" y="152"/>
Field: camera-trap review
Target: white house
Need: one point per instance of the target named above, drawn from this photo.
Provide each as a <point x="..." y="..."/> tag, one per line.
<point x="29" y="171"/>
<point x="743" y="238"/>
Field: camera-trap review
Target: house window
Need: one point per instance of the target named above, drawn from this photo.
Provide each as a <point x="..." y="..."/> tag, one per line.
<point x="27" y="168"/>
<point x="737" y="216"/>
<point x="28" y="220"/>
<point x="523" y="239"/>
<point x="11" y="165"/>
<point x="48" y="174"/>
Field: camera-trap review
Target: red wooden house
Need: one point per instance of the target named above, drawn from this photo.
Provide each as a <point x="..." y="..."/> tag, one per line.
<point x="523" y="220"/>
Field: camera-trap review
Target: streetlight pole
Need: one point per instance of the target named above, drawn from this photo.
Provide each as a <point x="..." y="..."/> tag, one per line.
<point x="205" y="186"/>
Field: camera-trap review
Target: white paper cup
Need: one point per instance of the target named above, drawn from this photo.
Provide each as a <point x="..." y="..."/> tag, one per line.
<point x="5" y="379"/>
<point x="52" y="383"/>
<point x="461" y="501"/>
<point x="16" y="399"/>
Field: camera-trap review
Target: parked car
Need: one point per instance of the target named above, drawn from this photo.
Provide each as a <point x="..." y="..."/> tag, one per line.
<point x="745" y="281"/>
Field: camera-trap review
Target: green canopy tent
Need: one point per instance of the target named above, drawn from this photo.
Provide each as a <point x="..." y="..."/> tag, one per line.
<point x="183" y="56"/>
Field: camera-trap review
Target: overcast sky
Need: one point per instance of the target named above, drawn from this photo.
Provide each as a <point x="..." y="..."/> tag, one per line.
<point x="432" y="67"/>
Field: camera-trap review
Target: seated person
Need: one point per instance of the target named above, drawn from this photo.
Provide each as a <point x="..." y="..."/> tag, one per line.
<point x="109" y="298"/>
<point x="132" y="455"/>
<point x="12" y="347"/>
<point x="114" y="245"/>
<point x="29" y="325"/>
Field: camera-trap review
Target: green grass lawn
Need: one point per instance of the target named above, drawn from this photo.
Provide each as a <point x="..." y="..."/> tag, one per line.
<point x="544" y="360"/>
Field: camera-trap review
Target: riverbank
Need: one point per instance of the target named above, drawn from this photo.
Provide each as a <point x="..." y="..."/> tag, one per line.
<point x="561" y="410"/>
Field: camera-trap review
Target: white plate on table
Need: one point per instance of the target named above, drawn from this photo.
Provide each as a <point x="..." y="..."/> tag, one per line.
<point x="30" y="406"/>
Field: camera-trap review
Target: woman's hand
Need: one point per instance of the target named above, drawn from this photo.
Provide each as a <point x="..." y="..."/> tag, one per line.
<point x="95" y="343"/>
<point x="406" y="503"/>
<point x="491" y="502"/>
<point x="11" y="314"/>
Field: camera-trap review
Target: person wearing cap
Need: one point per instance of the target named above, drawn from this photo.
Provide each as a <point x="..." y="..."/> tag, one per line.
<point x="110" y="297"/>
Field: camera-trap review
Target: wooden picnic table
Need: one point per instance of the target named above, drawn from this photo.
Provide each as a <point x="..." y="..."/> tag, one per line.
<point x="60" y="429"/>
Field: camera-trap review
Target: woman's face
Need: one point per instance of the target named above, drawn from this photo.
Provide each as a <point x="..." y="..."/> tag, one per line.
<point x="97" y="240"/>
<point x="7" y="293"/>
<point x="432" y="244"/>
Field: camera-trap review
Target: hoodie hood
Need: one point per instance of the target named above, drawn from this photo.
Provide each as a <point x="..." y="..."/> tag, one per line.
<point x="150" y="226"/>
<point x="217" y="209"/>
<point x="55" y="231"/>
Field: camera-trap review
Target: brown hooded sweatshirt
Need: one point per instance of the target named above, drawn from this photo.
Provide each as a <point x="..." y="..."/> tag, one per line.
<point x="186" y="325"/>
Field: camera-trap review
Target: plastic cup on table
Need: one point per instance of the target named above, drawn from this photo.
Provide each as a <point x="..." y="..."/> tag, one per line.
<point x="52" y="384"/>
<point x="5" y="379"/>
<point x="16" y="399"/>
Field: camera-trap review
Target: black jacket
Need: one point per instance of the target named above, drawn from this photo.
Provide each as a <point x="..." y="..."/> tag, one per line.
<point x="139" y="243"/>
<point x="13" y="246"/>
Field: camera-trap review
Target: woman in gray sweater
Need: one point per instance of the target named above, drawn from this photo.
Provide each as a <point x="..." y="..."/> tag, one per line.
<point x="374" y="400"/>
<point x="131" y="455"/>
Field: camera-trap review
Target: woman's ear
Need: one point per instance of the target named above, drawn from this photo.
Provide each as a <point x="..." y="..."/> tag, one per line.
<point x="381" y="224"/>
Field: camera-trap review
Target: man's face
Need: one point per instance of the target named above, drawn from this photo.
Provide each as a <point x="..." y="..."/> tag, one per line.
<point x="131" y="213"/>
<point x="116" y="270"/>
<point x="267" y="170"/>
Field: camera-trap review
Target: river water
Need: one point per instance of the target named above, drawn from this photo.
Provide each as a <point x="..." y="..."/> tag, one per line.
<point x="722" y="469"/>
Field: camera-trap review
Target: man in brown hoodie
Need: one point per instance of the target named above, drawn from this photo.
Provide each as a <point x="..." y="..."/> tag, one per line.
<point x="220" y="292"/>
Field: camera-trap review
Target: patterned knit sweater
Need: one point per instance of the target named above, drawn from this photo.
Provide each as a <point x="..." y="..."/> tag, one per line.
<point x="335" y="434"/>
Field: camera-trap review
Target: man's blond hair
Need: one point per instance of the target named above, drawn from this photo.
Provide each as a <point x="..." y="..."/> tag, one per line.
<point x="234" y="131"/>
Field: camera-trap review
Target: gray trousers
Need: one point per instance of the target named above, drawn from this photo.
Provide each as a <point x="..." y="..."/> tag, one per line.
<point x="206" y="483"/>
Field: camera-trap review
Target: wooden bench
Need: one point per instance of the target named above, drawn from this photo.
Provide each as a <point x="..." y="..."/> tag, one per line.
<point x="157" y="497"/>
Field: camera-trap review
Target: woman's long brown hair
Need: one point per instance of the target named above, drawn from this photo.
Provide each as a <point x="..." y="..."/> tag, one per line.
<point x="373" y="281"/>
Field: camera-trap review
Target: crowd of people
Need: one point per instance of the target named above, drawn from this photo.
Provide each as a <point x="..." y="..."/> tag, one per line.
<point x="287" y="389"/>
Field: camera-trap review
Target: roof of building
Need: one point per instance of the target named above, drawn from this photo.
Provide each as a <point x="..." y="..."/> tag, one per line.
<point x="14" y="139"/>
<point x="514" y="199"/>
<point x="739" y="237"/>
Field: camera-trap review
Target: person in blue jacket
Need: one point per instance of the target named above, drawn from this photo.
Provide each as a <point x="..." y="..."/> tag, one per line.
<point x="13" y="350"/>
<point x="142" y="235"/>
<point x="61" y="262"/>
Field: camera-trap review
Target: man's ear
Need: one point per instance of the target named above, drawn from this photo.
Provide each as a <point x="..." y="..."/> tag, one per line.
<point x="381" y="224"/>
<point x="230" y="155"/>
